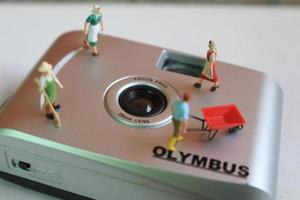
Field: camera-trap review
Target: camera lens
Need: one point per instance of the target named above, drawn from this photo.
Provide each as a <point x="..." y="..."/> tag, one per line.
<point x="142" y="101"/>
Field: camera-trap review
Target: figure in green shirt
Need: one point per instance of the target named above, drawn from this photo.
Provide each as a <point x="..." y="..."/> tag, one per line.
<point x="91" y="29"/>
<point x="48" y="83"/>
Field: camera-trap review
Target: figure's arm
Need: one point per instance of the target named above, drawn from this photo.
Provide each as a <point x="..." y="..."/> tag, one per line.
<point x="102" y="26"/>
<point x="172" y="109"/>
<point x="56" y="80"/>
<point x="42" y="84"/>
<point x="212" y="59"/>
<point x="86" y="25"/>
<point x="101" y="22"/>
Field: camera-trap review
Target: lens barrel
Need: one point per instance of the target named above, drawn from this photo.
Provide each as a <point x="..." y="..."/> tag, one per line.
<point x="142" y="101"/>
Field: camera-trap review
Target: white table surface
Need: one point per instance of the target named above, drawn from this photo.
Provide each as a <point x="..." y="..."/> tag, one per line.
<point x="261" y="38"/>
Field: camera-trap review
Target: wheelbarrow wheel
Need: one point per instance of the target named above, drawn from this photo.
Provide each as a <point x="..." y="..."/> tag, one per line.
<point x="235" y="129"/>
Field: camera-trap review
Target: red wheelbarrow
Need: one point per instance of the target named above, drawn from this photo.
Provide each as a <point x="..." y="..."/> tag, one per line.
<point x="220" y="117"/>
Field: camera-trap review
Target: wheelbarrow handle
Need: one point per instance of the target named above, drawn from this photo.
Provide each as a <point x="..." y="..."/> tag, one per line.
<point x="197" y="118"/>
<point x="202" y="121"/>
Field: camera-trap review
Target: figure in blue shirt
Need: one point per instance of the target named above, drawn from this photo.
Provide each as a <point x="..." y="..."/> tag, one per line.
<point x="180" y="112"/>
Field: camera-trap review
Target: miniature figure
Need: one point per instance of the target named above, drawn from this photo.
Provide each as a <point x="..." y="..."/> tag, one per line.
<point x="180" y="112"/>
<point x="48" y="86"/>
<point x="91" y="29"/>
<point x="209" y="72"/>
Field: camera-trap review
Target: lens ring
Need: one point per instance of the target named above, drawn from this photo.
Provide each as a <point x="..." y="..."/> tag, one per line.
<point x="152" y="109"/>
<point x="142" y="101"/>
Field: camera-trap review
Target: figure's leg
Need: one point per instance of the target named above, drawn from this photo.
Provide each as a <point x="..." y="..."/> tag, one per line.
<point x="183" y="130"/>
<point x="215" y="79"/>
<point x="215" y="86"/>
<point x="56" y="106"/>
<point x="48" y="111"/>
<point x="184" y="127"/>
<point x="199" y="83"/>
<point x="172" y="141"/>
<point x="95" y="51"/>
<point x="86" y="44"/>
<point x="51" y="92"/>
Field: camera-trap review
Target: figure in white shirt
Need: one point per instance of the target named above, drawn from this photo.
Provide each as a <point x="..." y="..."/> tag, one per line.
<point x="92" y="28"/>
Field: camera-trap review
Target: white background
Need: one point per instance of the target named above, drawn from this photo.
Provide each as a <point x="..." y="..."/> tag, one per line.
<point x="257" y="37"/>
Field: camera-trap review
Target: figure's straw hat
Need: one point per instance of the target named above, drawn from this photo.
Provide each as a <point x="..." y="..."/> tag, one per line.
<point x="45" y="67"/>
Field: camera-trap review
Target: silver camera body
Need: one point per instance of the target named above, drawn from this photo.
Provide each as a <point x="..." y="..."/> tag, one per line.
<point x="116" y="121"/>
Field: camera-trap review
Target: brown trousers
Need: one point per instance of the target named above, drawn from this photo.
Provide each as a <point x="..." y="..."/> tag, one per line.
<point x="180" y="127"/>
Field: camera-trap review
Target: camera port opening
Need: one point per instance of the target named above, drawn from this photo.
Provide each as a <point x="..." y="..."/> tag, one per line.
<point x="181" y="63"/>
<point x="142" y="101"/>
<point x="24" y="165"/>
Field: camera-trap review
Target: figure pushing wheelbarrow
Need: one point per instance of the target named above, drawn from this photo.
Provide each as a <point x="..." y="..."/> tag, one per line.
<point x="215" y="119"/>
